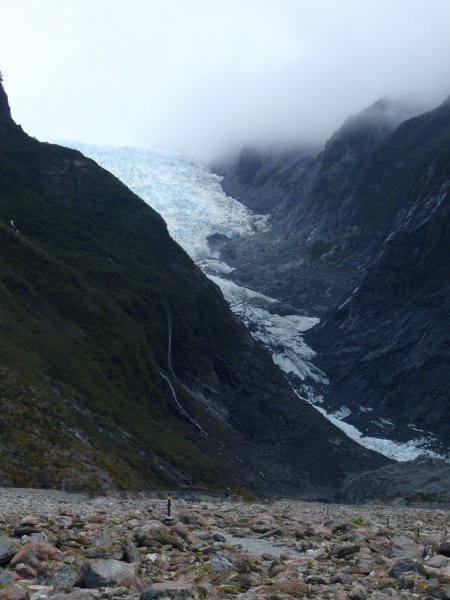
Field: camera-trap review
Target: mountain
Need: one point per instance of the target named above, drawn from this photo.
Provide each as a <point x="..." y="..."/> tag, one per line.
<point x="362" y="240"/>
<point x="122" y="364"/>
<point x="315" y="249"/>
<point x="387" y="345"/>
<point x="263" y="180"/>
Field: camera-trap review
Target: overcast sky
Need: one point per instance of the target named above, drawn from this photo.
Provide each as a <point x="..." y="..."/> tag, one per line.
<point x="199" y="76"/>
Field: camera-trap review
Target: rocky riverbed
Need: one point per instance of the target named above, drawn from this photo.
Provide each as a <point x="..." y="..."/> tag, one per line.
<point x="69" y="547"/>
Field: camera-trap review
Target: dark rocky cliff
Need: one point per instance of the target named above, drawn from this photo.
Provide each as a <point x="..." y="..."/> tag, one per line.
<point x="5" y="111"/>
<point x="315" y="249"/>
<point x="368" y="231"/>
<point x="387" y="347"/>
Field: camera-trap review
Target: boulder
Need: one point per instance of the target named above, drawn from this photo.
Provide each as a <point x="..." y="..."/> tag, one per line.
<point x="437" y="562"/>
<point x="108" y="572"/>
<point x="225" y="560"/>
<point x="151" y="536"/>
<point x="273" y="532"/>
<point x="404" y="547"/>
<point x="33" y="552"/>
<point x="170" y="591"/>
<point x="345" y="551"/>
<point x="63" y="577"/>
<point x="7" y="577"/>
<point x="8" y="547"/>
<point x="405" y="565"/>
<point x="14" y="592"/>
<point x="130" y="552"/>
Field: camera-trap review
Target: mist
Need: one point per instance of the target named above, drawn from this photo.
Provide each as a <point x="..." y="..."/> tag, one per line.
<point x="207" y="77"/>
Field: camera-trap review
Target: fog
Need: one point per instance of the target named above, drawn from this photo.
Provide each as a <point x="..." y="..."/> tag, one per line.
<point x="205" y="76"/>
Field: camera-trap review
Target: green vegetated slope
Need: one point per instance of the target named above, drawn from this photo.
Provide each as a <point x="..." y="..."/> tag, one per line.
<point x="89" y="279"/>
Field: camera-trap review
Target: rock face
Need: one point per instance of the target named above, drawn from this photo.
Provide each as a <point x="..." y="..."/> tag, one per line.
<point x="316" y="248"/>
<point x="5" y="111"/>
<point x="122" y="365"/>
<point x="387" y="346"/>
<point x="362" y="239"/>
<point x="310" y="550"/>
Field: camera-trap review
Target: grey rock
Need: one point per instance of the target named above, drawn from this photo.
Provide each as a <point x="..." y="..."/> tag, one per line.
<point x="63" y="577"/>
<point x="345" y="551"/>
<point x="404" y="547"/>
<point x="437" y="562"/>
<point x="358" y="592"/>
<point x="170" y="591"/>
<point x="315" y="580"/>
<point x="149" y="535"/>
<point x="272" y="532"/>
<point x="221" y="563"/>
<point x="130" y="552"/>
<point x="8" y="547"/>
<point x="218" y="537"/>
<point x="6" y="577"/>
<point x="405" y="565"/>
<point x="225" y="560"/>
<point x="102" y="573"/>
<point x="437" y="592"/>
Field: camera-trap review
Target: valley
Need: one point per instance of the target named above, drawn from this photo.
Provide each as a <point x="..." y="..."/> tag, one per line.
<point x="196" y="209"/>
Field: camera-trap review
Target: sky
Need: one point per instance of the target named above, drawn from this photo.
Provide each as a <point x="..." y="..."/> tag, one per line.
<point x="203" y="77"/>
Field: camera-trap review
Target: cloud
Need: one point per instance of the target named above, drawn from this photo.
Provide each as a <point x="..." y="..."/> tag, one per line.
<point x="200" y="76"/>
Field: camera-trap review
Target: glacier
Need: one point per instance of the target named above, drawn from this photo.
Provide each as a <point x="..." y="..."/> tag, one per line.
<point x="191" y="200"/>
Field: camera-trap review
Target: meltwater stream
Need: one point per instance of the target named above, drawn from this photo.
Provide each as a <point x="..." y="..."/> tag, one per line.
<point x="194" y="206"/>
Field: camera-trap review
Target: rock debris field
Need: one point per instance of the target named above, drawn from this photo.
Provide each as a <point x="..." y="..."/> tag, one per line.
<point x="68" y="547"/>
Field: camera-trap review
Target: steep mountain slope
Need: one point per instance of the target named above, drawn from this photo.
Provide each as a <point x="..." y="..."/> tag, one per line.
<point x="122" y="365"/>
<point x="369" y="233"/>
<point x="315" y="249"/>
<point x="263" y="181"/>
<point x="387" y="346"/>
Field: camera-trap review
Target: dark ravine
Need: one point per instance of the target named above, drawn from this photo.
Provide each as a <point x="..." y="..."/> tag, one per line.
<point x="88" y="277"/>
<point x="360" y="237"/>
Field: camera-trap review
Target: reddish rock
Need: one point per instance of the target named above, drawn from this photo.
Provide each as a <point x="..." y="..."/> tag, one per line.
<point x="35" y="551"/>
